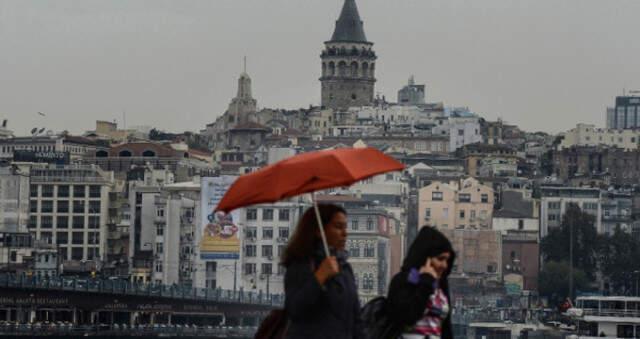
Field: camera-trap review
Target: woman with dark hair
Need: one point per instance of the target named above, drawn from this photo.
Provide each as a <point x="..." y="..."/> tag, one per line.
<point x="321" y="298"/>
<point x="419" y="304"/>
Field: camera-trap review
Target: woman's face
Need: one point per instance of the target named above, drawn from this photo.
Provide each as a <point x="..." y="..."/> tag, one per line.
<point x="336" y="231"/>
<point x="440" y="263"/>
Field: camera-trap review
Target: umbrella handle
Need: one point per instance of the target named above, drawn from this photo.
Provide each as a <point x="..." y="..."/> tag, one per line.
<point x="320" y="226"/>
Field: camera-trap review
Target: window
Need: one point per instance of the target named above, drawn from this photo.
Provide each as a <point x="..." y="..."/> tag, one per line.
<point x="249" y="268"/>
<point x="63" y="206"/>
<point x="283" y="215"/>
<point x="267" y="233"/>
<point x="93" y="238"/>
<point x="267" y="269"/>
<point x="369" y="224"/>
<point x="62" y="238"/>
<point x="484" y="198"/>
<point x="252" y="214"/>
<point x="462" y="214"/>
<point x="159" y="267"/>
<point x="77" y="238"/>
<point x="212" y="267"/>
<point x="251" y="232"/>
<point x="552" y="217"/>
<point x="46" y="221"/>
<point x="94" y="191"/>
<point x="250" y="251"/>
<point x="159" y="248"/>
<point x="354" y="250"/>
<point x="93" y="253"/>
<point x="46" y="236"/>
<point x="354" y="224"/>
<point x="76" y="253"/>
<point x="33" y="206"/>
<point x="47" y="206"/>
<point x="283" y="233"/>
<point x="367" y="281"/>
<point x="267" y="251"/>
<point x="267" y="214"/>
<point x="94" y="207"/>
<point x="160" y="212"/>
<point x="47" y="191"/>
<point x="78" y="222"/>
<point x="62" y="222"/>
<point x="464" y="197"/>
<point x="94" y="222"/>
<point x="436" y="196"/>
<point x="520" y="224"/>
<point x="78" y="191"/>
<point x="281" y="249"/>
<point x="553" y="205"/>
<point x="159" y="229"/>
<point x="63" y="191"/>
<point x="78" y="206"/>
<point x="369" y="251"/>
<point x="427" y="214"/>
<point x="590" y="206"/>
<point x="460" y="132"/>
<point x="33" y="191"/>
<point x="445" y="213"/>
<point x="33" y="221"/>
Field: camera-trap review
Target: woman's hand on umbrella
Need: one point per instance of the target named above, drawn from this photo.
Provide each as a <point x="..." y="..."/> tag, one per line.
<point x="328" y="269"/>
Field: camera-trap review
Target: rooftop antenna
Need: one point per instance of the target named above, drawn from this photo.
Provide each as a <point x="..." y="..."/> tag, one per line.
<point x="245" y="64"/>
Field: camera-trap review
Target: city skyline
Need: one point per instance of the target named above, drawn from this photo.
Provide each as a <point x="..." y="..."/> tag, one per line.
<point x="176" y="64"/>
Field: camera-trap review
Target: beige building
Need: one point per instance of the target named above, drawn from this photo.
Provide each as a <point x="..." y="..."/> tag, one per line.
<point x="456" y="204"/>
<point x="589" y="135"/>
<point x="478" y="253"/>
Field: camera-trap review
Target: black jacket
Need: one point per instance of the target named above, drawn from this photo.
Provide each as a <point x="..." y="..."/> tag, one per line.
<point x="407" y="297"/>
<point x="315" y="311"/>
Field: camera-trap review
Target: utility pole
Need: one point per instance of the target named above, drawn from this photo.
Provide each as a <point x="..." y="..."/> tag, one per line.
<point x="571" y="259"/>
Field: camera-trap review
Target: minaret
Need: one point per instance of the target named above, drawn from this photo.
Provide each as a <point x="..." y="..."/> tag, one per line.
<point x="348" y="63"/>
<point x="243" y="104"/>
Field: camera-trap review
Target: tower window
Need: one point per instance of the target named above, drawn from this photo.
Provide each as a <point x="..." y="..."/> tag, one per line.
<point x="353" y="96"/>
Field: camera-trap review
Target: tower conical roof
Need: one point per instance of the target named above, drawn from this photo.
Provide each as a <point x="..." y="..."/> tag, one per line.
<point x="349" y="27"/>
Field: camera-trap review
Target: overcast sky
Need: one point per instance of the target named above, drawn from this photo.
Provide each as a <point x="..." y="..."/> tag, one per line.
<point x="541" y="64"/>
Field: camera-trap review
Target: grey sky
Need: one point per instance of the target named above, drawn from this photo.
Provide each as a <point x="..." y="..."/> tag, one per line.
<point x="542" y="64"/>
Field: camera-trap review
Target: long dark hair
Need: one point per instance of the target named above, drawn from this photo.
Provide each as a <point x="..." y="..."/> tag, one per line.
<point x="303" y="242"/>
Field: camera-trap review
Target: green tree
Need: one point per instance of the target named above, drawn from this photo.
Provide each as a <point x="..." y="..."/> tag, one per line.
<point x="553" y="281"/>
<point x="555" y="246"/>
<point x="619" y="257"/>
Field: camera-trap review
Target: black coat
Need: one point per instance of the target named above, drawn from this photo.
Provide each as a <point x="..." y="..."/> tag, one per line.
<point x="407" y="299"/>
<point x="315" y="311"/>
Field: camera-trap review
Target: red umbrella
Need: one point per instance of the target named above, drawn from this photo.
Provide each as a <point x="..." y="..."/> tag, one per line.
<point x="306" y="173"/>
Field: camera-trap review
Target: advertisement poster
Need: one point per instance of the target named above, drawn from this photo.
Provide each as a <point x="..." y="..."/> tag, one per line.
<point x="219" y="231"/>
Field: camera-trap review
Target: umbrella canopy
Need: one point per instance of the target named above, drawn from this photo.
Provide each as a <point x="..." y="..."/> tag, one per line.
<point x="305" y="173"/>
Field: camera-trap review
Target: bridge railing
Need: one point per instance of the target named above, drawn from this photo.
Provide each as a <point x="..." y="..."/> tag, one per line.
<point x="131" y="288"/>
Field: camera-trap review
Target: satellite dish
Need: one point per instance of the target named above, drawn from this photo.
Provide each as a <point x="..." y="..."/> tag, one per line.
<point x="49" y="133"/>
<point x="34" y="130"/>
<point x="41" y="130"/>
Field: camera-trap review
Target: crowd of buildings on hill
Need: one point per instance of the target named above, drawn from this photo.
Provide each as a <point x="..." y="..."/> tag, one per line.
<point x="126" y="203"/>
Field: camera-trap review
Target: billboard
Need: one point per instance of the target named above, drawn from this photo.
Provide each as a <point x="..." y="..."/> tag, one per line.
<point x="219" y="232"/>
<point x="58" y="158"/>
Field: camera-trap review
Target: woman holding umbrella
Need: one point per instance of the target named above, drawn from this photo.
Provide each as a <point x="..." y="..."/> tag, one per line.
<point x="321" y="298"/>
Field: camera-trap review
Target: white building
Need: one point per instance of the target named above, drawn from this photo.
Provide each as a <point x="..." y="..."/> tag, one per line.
<point x="589" y="135"/>
<point x="505" y="221"/>
<point x="14" y="199"/>
<point x="461" y="131"/>
<point x="554" y="202"/>
<point x="69" y="208"/>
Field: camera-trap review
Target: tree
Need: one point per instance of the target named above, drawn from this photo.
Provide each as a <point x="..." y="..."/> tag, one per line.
<point x="553" y="281"/>
<point x="555" y="246"/>
<point x="618" y="258"/>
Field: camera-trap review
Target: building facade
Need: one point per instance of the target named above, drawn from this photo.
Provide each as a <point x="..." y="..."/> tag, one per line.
<point x="457" y="204"/>
<point x="589" y="135"/>
<point x="554" y="202"/>
<point x="625" y="114"/>
<point x="69" y="208"/>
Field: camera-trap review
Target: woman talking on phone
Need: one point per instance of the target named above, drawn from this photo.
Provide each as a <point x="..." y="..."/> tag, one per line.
<point x="418" y="302"/>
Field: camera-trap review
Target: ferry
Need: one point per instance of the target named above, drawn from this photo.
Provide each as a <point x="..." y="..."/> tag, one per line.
<point x="608" y="317"/>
